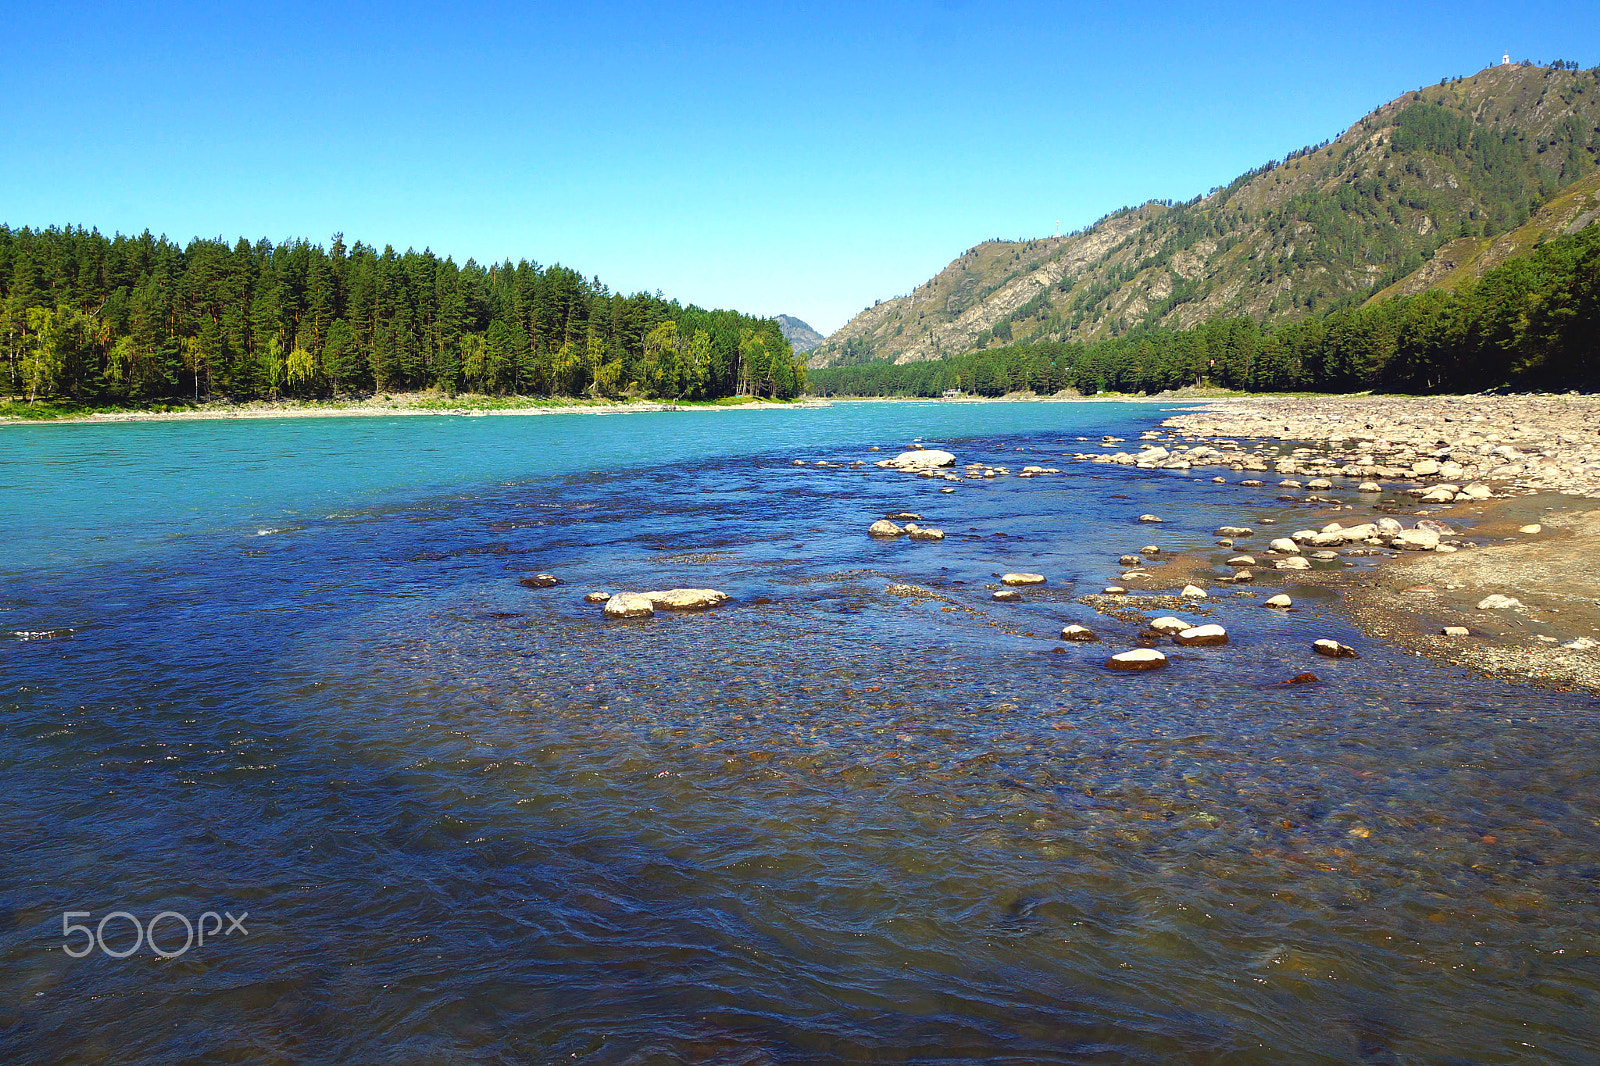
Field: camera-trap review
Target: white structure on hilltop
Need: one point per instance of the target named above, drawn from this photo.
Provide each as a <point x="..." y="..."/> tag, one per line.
<point x="1505" y="60"/>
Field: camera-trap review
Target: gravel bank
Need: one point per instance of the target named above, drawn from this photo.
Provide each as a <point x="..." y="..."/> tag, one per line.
<point x="1517" y="442"/>
<point x="1513" y="472"/>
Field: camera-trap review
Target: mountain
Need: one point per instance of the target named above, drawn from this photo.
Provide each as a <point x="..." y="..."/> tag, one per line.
<point x="802" y="338"/>
<point x="1572" y="209"/>
<point x="1454" y="170"/>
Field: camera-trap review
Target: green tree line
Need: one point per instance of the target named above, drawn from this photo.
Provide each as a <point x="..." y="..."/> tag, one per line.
<point x="1532" y="322"/>
<point x="133" y="319"/>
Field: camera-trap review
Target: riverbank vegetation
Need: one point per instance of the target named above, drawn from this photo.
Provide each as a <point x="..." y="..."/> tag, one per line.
<point x="90" y="321"/>
<point x="1532" y="323"/>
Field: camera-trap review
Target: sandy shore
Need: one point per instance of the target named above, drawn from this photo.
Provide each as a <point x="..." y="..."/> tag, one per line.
<point x="1529" y="529"/>
<point x="410" y="404"/>
<point x="407" y="405"/>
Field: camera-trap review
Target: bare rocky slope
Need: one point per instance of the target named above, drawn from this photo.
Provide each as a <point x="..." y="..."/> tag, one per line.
<point x="802" y="338"/>
<point x="1433" y="187"/>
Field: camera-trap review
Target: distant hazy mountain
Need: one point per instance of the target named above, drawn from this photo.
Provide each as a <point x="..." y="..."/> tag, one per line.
<point x="1432" y="187"/>
<point x="801" y="336"/>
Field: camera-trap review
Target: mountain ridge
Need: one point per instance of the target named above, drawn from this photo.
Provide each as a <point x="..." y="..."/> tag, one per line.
<point x="1471" y="160"/>
<point x="800" y="334"/>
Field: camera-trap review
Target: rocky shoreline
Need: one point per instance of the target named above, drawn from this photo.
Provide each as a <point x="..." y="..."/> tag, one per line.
<point x="1517" y="595"/>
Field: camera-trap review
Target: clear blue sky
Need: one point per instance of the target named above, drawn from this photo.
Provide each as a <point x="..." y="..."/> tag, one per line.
<point x="803" y="158"/>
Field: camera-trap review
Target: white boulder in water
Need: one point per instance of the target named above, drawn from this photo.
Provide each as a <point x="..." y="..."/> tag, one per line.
<point x="921" y="459"/>
<point x="1137" y="659"/>
<point x="686" y="599"/>
<point x="630" y="605"/>
<point x="1201" y="636"/>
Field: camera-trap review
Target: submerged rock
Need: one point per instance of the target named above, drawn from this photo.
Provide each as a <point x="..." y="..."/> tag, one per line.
<point x="1137" y="659"/>
<point x="540" y="581"/>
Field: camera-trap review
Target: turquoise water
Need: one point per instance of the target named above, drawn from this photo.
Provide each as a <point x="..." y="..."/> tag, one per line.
<point x="79" y="492"/>
<point x="288" y="668"/>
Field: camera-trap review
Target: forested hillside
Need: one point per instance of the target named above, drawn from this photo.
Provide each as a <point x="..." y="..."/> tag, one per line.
<point x="1531" y="322"/>
<point x="141" y="318"/>
<point x="1452" y="166"/>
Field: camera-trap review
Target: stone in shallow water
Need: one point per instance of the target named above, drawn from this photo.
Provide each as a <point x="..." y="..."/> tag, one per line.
<point x="1422" y="540"/>
<point x="1079" y="633"/>
<point x="540" y="581"/>
<point x="1137" y="659"/>
<point x="1148" y="518"/>
<point x="1022" y="579"/>
<point x="1169" y="625"/>
<point x="597" y="597"/>
<point x="1006" y="595"/>
<point x="884" y="528"/>
<point x="686" y="599"/>
<point x="1333" y="649"/>
<point x="1280" y="600"/>
<point x="1202" y="636"/>
<point x="1193" y="592"/>
<point x="629" y="605"/>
